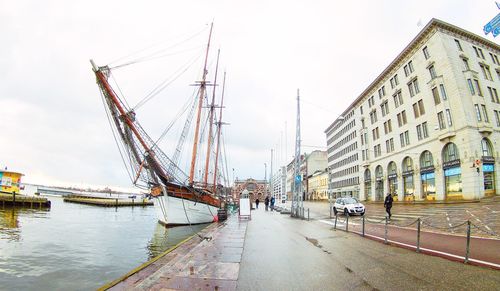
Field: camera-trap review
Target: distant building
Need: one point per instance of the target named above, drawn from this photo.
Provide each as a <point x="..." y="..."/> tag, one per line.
<point x="256" y="188"/>
<point x="426" y="127"/>
<point x="309" y="164"/>
<point x="318" y="185"/>
<point x="279" y="186"/>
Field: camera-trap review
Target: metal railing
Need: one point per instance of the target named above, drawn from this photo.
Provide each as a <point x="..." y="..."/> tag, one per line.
<point x="419" y="223"/>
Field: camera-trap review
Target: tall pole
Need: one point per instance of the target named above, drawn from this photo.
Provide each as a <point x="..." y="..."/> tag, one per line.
<point x="211" y="123"/>
<point x="198" y="117"/>
<point x="297" y="178"/>
<point x="271" y="176"/>
<point x="219" y="126"/>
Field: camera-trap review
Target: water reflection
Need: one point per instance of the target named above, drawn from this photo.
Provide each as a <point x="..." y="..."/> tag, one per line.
<point x="164" y="238"/>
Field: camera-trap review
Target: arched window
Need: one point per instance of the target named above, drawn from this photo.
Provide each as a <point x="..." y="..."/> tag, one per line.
<point x="426" y="159"/>
<point x="407" y="164"/>
<point x="450" y="152"/>
<point x="486" y="148"/>
<point x="391" y="169"/>
<point x="368" y="175"/>
<point x="379" y="172"/>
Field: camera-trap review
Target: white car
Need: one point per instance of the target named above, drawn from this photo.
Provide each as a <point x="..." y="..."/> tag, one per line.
<point x="348" y="206"/>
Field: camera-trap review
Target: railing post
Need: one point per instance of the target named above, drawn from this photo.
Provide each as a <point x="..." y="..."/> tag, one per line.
<point x="363" y="229"/>
<point x="330" y="211"/>
<point x="418" y="235"/>
<point x="347" y="223"/>
<point x="467" y="249"/>
<point x="335" y="225"/>
<point x="307" y="214"/>
<point x="385" y="234"/>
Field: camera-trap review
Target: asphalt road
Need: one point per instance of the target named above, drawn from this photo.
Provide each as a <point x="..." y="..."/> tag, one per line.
<point x="281" y="253"/>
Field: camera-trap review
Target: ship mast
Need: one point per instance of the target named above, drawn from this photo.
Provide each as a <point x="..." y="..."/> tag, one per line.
<point x="211" y="118"/>
<point x="219" y="128"/>
<point x="127" y="119"/>
<point x="198" y="117"/>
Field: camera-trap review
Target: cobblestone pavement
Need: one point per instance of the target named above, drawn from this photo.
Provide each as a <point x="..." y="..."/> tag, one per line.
<point x="449" y="218"/>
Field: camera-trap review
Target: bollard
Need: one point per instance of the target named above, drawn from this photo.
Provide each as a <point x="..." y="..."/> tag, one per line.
<point x="330" y="211"/>
<point x="363" y="229"/>
<point x="418" y="235"/>
<point x="385" y="234"/>
<point x="467" y="249"/>
<point x="347" y="223"/>
<point x="335" y="225"/>
<point x="307" y="214"/>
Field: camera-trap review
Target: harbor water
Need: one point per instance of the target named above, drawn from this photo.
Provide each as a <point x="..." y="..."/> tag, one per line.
<point x="78" y="247"/>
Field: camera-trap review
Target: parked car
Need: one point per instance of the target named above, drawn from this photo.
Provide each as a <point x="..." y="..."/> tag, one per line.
<point x="348" y="206"/>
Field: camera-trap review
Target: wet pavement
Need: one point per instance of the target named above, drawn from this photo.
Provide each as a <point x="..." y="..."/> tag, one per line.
<point x="282" y="253"/>
<point x="273" y="251"/>
<point x="436" y="217"/>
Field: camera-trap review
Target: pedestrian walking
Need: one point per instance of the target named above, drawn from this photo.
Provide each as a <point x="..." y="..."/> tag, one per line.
<point x="272" y="203"/>
<point x="257" y="203"/>
<point x="267" y="202"/>
<point x="388" y="204"/>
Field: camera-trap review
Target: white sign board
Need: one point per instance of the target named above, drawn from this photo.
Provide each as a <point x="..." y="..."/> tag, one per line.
<point x="245" y="203"/>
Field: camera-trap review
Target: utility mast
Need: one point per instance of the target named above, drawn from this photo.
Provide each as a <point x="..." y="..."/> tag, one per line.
<point x="297" y="189"/>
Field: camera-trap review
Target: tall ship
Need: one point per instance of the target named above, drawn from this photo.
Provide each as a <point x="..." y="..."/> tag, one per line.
<point x="180" y="197"/>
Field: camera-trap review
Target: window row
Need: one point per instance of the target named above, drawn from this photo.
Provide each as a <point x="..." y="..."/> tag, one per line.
<point x="342" y="131"/>
<point x="343" y="141"/>
<point x="344" y="151"/>
<point x="346" y="182"/>
<point x="348" y="171"/>
<point x="346" y="161"/>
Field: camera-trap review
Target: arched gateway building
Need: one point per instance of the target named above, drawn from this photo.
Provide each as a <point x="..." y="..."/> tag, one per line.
<point x="428" y="127"/>
<point x="256" y="189"/>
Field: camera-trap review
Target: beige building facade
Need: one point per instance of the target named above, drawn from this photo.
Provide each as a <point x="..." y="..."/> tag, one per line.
<point x="318" y="186"/>
<point x="428" y="127"/>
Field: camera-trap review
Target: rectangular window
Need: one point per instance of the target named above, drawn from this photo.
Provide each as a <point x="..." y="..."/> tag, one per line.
<point x="419" y="132"/>
<point x="485" y="113"/>
<point x="477" y="53"/>
<point x="497" y="117"/>
<point x="466" y="64"/>
<point x="413" y="87"/>
<point x="495" y="93"/>
<point x="391" y="141"/>
<point x="387" y="146"/>
<point x="493" y="59"/>
<point x="361" y="109"/>
<point x="407" y="137"/>
<point x="459" y="46"/>
<point x="486" y="71"/>
<point x="396" y="81"/>
<point x="421" y="106"/>
<point x="435" y="94"/>
<point x="478" y="113"/>
<point x="448" y="117"/>
<point x="426" y="53"/>
<point x="481" y="53"/>
<point x="403" y="114"/>
<point x="432" y="72"/>
<point x="424" y="130"/>
<point x="398" y="99"/>
<point x="389" y="125"/>
<point x="400" y="121"/>
<point x="441" y="120"/>
<point x="410" y="66"/>
<point x="443" y="91"/>
<point x="478" y="88"/>
<point x="381" y="92"/>
<point x="402" y="140"/>
<point x="415" y="110"/>
<point x="471" y="87"/>
<point x="392" y="83"/>
<point x="407" y="72"/>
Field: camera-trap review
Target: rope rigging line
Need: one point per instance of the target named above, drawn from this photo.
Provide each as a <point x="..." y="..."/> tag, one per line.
<point x="157" y="44"/>
<point x="106" y="109"/>
<point x="167" y="82"/>
<point x="190" y="101"/>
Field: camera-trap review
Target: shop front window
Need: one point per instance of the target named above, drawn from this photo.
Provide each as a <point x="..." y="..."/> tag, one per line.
<point x="368" y="184"/>
<point x="427" y="175"/>
<point x="488" y="167"/>
<point x="379" y="185"/>
<point x="392" y="178"/>
<point x="409" y="188"/>
<point x="452" y="170"/>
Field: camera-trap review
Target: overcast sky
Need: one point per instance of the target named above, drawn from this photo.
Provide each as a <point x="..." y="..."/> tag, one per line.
<point x="52" y="122"/>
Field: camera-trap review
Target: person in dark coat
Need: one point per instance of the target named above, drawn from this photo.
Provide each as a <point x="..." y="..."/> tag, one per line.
<point x="388" y="204"/>
<point x="257" y="203"/>
<point x="272" y="203"/>
<point x="267" y="202"/>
